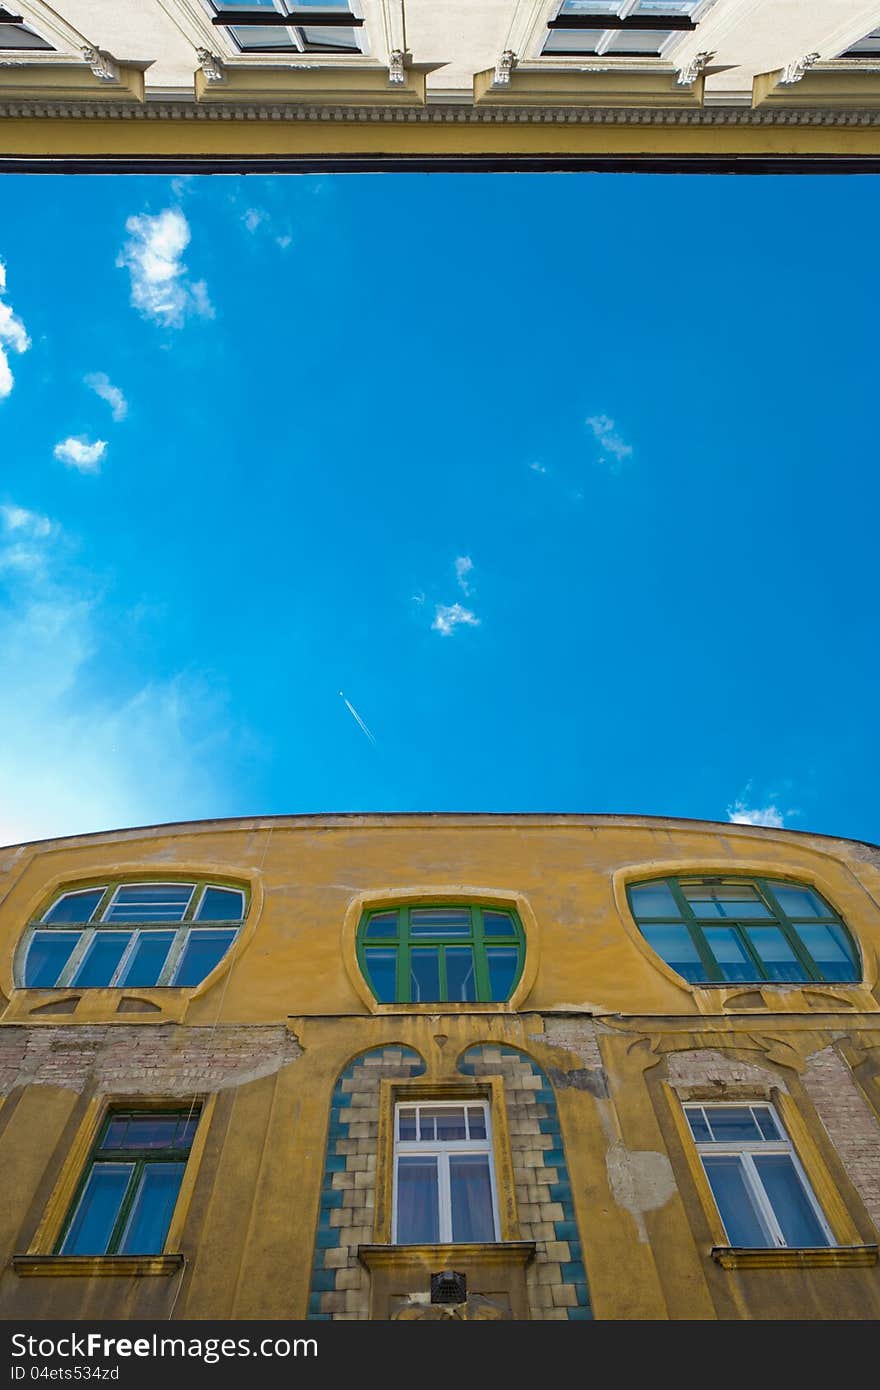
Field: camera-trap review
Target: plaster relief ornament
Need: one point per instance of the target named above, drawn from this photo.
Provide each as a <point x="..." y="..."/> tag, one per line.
<point x="101" y="63"/>
<point x="688" y="75"/>
<point x="795" y="71"/>
<point x="210" y="64"/>
<point x="504" y="67"/>
<point x="396" y="65"/>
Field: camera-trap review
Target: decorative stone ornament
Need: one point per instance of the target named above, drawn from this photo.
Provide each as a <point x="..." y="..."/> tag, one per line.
<point x="101" y="63"/>
<point x="397" y="61"/>
<point x="504" y="67"/>
<point x="210" y="64"/>
<point x="688" y="75"/>
<point x="795" y="71"/>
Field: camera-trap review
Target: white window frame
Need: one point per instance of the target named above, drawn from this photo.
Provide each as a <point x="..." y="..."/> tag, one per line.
<point x="744" y="1150"/>
<point x="296" y="46"/>
<point x="601" y="50"/>
<point x="443" y="1150"/>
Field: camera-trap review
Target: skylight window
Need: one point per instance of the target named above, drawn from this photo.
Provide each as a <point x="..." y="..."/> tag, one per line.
<point x="290" y="26"/>
<point x="632" y="28"/>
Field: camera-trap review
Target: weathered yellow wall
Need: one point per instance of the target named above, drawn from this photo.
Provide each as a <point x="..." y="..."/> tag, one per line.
<point x="621" y="1041"/>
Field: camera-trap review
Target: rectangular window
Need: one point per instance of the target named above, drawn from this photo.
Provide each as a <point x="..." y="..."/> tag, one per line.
<point x="868" y="47"/>
<point x="289" y="26"/>
<point x="759" y="1186"/>
<point x="127" y="1197"/>
<point x="443" y="1174"/>
<point x="622" y="28"/>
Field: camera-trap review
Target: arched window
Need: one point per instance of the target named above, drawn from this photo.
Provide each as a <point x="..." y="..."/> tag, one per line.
<point x="735" y="930"/>
<point x="419" y="954"/>
<point x="139" y="935"/>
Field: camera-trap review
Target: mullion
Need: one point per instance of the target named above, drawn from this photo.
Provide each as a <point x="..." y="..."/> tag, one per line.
<point x="701" y="945"/>
<point x="744" y="941"/>
<point x="482" y="987"/>
<point x="404" y="970"/>
<point x="606" y="21"/>
<point x="789" y="931"/>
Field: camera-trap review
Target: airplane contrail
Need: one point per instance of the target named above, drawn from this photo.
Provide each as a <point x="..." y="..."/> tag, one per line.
<point x="351" y="709"/>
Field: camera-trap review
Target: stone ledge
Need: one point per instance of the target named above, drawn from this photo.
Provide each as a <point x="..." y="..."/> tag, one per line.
<point x="95" y="1266"/>
<point x="794" y="1257"/>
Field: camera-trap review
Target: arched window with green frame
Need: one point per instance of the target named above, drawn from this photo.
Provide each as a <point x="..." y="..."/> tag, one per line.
<point x="732" y="930"/>
<point x="456" y="953"/>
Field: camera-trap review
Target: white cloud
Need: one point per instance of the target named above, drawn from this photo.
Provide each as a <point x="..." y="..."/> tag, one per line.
<point x="258" y="219"/>
<point x="450" y="616"/>
<point x="102" y="386"/>
<point x="253" y="218"/>
<point x="608" y="440"/>
<point x="463" y="566"/>
<point x="80" y="454"/>
<point x="538" y="467"/>
<point x="160" y="288"/>
<point x="79" y="752"/>
<point x="12" y="335"/>
<point x="741" y="814"/>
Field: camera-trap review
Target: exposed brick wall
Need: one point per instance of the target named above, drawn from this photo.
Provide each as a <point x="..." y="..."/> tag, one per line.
<point x="851" y="1124"/>
<point x="164" y="1060"/>
<point x="707" y="1067"/>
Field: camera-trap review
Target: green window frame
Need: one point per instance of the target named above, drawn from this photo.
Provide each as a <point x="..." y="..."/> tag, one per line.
<point x="126" y="1197"/>
<point x="95" y="934"/>
<point x="729" y="929"/>
<point x="420" y="953"/>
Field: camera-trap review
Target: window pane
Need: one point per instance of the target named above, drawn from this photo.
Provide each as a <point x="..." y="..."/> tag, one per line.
<point x="255" y="38"/>
<point x="731" y="955"/>
<point x="150" y="902"/>
<point x="460" y="983"/>
<point x="590" y="7"/>
<point x="221" y="905"/>
<point x="736" y="900"/>
<point x="732" y="1122"/>
<point x="658" y="7"/>
<point x="203" y="950"/>
<point x="145" y="1132"/>
<point x="674" y="945"/>
<point x="831" y="951"/>
<point x="19" y="36"/>
<point x="98" y="1209"/>
<point x="654" y="900"/>
<point x="868" y="47"/>
<point x="471" y="1192"/>
<point x="778" y="958"/>
<point x="646" y="41"/>
<point x="476" y="1122"/>
<point x="75" y="907"/>
<point x="406" y="1124"/>
<point x="102" y="958"/>
<point x="766" y="1122"/>
<point x="800" y="902"/>
<point x="47" y="956"/>
<point x="791" y="1206"/>
<point x="503" y="962"/>
<point x="449" y="1122"/>
<point x="146" y="960"/>
<point x="572" y="40"/>
<point x="498" y="924"/>
<point x="698" y="1123"/>
<point x="151" y="1213"/>
<point x="741" y="1219"/>
<point x="424" y="974"/>
<point x="440" y="921"/>
<point x="318" y="38"/>
<point x="382" y="971"/>
<point x="418" y="1213"/>
<point x="382" y="924"/>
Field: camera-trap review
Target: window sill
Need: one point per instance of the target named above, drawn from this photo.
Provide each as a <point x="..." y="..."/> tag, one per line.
<point x="794" y="1257"/>
<point x="506" y="1252"/>
<point x="95" y="1266"/>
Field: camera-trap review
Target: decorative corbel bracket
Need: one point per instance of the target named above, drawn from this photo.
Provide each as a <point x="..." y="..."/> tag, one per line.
<point x="504" y="67"/>
<point x="398" y="60"/>
<point x="688" y="74"/>
<point x="210" y="64"/>
<point x="102" y="63"/>
<point x="795" y="71"/>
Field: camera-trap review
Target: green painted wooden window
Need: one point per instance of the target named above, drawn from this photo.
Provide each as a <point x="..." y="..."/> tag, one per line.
<point x="133" y="934"/>
<point x="736" y="931"/>
<point x="126" y="1199"/>
<point x="422" y="953"/>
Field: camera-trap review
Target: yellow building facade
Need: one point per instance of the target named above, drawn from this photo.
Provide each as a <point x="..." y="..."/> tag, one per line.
<point x="429" y="1066"/>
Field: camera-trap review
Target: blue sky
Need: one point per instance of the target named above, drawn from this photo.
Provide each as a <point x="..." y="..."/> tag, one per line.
<point x="568" y="482"/>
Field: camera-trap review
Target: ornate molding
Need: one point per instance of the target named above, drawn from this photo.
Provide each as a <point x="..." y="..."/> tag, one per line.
<point x="38" y="108"/>
<point x="504" y="67"/>
<point x="102" y="63"/>
<point x="688" y="74"/>
<point x="795" y="71"/>
<point x="397" y="61"/>
<point x="210" y="64"/>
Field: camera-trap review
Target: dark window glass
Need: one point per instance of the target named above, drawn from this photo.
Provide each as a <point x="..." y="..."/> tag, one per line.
<point x="791" y="1206"/>
<point x="503" y="962"/>
<point x="675" y="946"/>
<point x="458" y="954"/>
<point x="440" y="921"/>
<point x="75" y="907"/>
<point x="203" y="950"/>
<point x="102" y="958"/>
<point x="418" y="1210"/>
<point x="221" y="905"/>
<point x="460" y="982"/>
<point x="741" y="1218"/>
<point x="20" y="36"/>
<point x="382" y="924"/>
<point x="425" y="974"/>
<point x="382" y="973"/>
<point x="145" y="963"/>
<point x="470" y="1188"/>
<point x="47" y="956"/>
